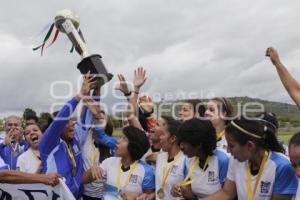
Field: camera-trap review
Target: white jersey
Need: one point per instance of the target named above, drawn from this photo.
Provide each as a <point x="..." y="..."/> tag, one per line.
<point x="90" y="155"/>
<point x="222" y="144"/>
<point x="297" y="196"/>
<point x="175" y="176"/>
<point x="142" y="178"/>
<point x="278" y="177"/>
<point x="149" y="152"/>
<point x="28" y="162"/>
<point x="211" y="180"/>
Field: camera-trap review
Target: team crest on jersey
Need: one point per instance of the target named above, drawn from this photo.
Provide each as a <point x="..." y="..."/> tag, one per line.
<point x="211" y="176"/>
<point x="265" y="187"/>
<point x="174" y="169"/>
<point x="133" y="178"/>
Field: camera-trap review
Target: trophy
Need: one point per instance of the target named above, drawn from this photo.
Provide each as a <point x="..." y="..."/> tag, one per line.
<point x="68" y="22"/>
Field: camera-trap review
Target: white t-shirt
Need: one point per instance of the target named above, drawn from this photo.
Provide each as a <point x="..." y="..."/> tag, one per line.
<point x="278" y="177"/>
<point x="93" y="189"/>
<point x="222" y="145"/>
<point x="207" y="182"/>
<point x="28" y="162"/>
<point x="141" y="179"/>
<point x="175" y="176"/>
<point x="149" y="152"/>
<point x="297" y="196"/>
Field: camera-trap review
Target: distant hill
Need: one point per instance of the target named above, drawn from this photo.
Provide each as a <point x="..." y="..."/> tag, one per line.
<point x="288" y="114"/>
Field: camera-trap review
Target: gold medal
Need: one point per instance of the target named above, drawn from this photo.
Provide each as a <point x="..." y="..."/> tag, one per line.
<point x="161" y="193"/>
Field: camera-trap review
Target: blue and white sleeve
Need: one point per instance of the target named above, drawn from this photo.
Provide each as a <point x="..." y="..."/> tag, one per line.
<point x="149" y="178"/>
<point x="104" y="139"/>
<point x="286" y="181"/>
<point x="52" y="134"/>
<point x="223" y="165"/>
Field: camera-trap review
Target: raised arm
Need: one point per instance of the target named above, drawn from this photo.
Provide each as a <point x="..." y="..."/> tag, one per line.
<point x="291" y="85"/>
<point x="100" y="123"/>
<point x="51" y="136"/>
<point x="132" y="96"/>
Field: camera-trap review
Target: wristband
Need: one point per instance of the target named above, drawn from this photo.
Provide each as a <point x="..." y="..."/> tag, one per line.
<point x="127" y="94"/>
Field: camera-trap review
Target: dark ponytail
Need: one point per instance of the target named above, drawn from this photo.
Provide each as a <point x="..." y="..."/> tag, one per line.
<point x="255" y="130"/>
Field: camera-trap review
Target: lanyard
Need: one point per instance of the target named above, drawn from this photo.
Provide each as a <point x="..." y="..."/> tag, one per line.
<point x="251" y="194"/>
<point x="186" y="181"/>
<point x="94" y="153"/>
<point x="71" y="155"/>
<point x="132" y="168"/>
<point x="166" y="173"/>
<point x="220" y="135"/>
<point x="15" y="148"/>
<point x="36" y="156"/>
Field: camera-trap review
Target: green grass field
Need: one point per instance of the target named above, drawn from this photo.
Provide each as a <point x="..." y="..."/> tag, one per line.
<point x="284" y="136"/>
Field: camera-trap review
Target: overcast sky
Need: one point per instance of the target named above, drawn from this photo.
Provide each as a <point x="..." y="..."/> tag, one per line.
<point x="191" y="48"/>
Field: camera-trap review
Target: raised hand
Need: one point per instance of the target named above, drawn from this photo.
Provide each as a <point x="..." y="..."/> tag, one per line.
<point x="94" y="107"/>
<point x="146" y="103"/>
<point x="139" y="78"/>
<point x="273" y="54"/>
<point x="123" y="86"/>
<point x="88" y="83"/>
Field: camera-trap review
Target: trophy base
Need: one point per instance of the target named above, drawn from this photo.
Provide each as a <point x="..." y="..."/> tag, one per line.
<point x="95" y="65"/>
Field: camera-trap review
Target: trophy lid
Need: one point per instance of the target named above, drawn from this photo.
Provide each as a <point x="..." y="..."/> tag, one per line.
<point x="63" y="15"/>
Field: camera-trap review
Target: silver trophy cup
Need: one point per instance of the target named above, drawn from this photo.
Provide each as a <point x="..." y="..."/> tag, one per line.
<point x="68" y="22"/>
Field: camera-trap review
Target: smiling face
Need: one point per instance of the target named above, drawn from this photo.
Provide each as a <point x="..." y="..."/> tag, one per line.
<point x="33" y="135"/>
<point x="68" y="132"/>
<point x="122" y="147"/>
<point x="157" y="130"/>
<point x="214" y="114"/>
<point x="166" y="139"/>
<point x="186" y="112"/>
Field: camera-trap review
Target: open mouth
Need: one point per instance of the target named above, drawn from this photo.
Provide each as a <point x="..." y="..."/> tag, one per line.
<point x="34" y="138"/>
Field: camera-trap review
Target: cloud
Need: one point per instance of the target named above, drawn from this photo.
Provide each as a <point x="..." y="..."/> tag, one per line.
<point x="201" y="48"/>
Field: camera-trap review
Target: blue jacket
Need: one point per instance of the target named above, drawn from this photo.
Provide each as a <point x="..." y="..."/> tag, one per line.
<point x="104" y="139"/>
<point x="6" y="152"/>
<point x="53" y="151"/>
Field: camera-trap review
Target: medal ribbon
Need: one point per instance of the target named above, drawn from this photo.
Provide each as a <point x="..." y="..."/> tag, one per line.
<point x="166" y="173"/>
<point x="15" y="148"/>
<point x="250" y="194"/>
<point x="94" y="153"/>
<point x="220" y="135"/>
<point x="71" y="155"/>
<point x="186" y="181"/>
<point x="36" y="156"/>
<point x="132" y="168"/>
